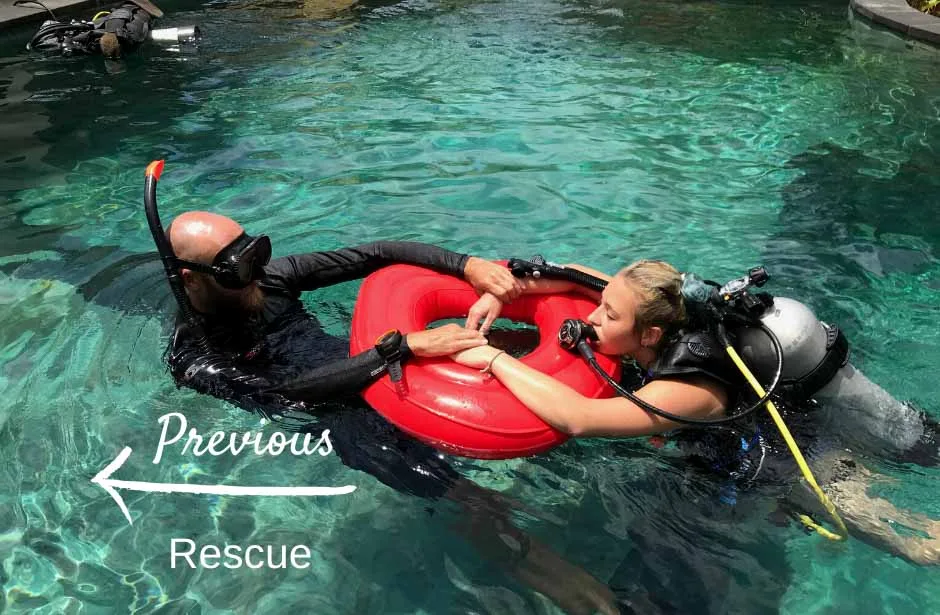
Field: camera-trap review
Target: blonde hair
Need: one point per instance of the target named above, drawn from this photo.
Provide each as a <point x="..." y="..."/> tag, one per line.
<point x="659" y="285"/>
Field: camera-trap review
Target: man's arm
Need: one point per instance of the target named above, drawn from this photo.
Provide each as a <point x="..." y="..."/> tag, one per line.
<point x="488" y="307"/>
<point x="303" y="272"/>
<point x="223" y="376"/>
<point x="254" y="389"/>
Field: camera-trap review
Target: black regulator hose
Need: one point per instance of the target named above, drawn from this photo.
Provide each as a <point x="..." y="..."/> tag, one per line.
<point x="539" y="268"/>
<point x="152" y="175"/>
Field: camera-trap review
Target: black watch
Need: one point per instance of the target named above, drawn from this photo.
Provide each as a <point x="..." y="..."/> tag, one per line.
<point x="389" y="348"/>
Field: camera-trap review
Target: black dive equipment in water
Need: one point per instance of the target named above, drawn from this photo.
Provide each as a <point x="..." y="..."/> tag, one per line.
<point x="130" y="24"/>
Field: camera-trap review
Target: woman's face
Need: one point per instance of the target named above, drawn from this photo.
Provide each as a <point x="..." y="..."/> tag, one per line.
<point x="614" y="320"/>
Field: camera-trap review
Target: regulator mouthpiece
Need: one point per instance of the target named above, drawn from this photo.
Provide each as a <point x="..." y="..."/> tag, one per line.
<point x="574" y="334"/>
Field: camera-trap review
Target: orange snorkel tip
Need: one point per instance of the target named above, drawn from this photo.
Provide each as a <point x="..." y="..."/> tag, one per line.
<point x="154" y="169"/>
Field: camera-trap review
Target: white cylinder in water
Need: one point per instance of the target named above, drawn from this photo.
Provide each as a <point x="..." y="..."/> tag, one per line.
<point x="180" y="35"/>
<point x="865" y="413"/>
<point x="802" y="337"/>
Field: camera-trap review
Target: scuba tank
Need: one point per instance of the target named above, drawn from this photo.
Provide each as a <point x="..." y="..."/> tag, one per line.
<point x="183" y="35"/>
<point x="813" y="351"/>
<point x="816" y="366"/>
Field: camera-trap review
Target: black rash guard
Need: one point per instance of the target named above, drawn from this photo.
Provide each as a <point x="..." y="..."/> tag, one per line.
<point x="284" y="350"/>
<point x="283" y="365"/>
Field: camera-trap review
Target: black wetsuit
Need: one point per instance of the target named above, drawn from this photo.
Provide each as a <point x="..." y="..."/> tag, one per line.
<point x="282" y="360"/>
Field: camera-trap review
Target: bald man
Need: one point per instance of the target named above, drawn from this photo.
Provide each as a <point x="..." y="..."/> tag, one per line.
<point x="268" y="354"/>
<point x="258" y="329"/>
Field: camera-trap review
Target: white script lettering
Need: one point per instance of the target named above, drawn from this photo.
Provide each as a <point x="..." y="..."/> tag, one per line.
<point x="220" y="442"/>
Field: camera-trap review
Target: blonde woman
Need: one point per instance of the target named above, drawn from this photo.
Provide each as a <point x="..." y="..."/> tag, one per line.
<point x="641" y="316"/>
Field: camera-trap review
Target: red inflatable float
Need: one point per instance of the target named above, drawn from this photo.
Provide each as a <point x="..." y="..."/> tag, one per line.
<point x="452" y="407"/>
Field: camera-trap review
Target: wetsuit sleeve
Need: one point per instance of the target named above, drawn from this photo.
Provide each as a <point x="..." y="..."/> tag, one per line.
<point x="303" y="272"/>
<point x="228" y="378"/>
<point x="344" y="377"/>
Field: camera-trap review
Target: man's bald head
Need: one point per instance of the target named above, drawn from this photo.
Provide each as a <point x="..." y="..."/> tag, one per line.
<point x="199" y="235"/>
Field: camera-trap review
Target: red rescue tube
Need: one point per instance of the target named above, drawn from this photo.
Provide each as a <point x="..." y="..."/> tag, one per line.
<point x="452" y="407"/>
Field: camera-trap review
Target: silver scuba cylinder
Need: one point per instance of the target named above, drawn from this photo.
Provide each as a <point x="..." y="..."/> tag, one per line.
<point x="183" y="35"/>
<point x="802" y="336"/>
<point x="861" y="410"/>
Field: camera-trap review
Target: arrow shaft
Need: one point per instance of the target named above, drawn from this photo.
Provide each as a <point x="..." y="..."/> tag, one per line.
<point x="135" y="485"/>
<point x="111" y="486"/>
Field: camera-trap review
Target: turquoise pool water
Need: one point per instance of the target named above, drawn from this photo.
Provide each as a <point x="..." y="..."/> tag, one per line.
<point x="717" y="135"/>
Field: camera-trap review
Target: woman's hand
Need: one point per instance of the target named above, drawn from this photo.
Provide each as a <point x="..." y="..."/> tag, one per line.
<point x="485" y="311"/>
<point x="478" y="357"/>
<point x="443" y="341"/>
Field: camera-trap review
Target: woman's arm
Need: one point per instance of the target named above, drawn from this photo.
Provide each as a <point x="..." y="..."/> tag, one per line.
<point x="570" y="412"/>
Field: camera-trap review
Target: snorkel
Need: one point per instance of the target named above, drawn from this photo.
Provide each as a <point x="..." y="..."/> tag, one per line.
<point x="170" y="267"/>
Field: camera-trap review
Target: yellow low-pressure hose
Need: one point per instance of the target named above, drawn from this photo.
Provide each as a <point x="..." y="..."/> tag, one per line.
<point x="797" y="455"/>
<point x="100" y="14"/>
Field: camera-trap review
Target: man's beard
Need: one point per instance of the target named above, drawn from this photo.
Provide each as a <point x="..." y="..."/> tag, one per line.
<point x="253" y="300"/>
<point x="248" y="302"/>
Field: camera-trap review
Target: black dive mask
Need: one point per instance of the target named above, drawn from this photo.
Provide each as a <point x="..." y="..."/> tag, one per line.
<point x="239" y="263"/>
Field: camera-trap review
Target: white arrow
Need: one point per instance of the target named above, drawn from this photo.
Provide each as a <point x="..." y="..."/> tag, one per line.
<point x="103" y="478"/>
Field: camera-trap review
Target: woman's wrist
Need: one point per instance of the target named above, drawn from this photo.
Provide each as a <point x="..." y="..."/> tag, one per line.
<point x="488" y="369"/>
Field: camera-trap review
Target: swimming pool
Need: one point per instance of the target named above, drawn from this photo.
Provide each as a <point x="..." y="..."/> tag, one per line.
<point x="717" y="135"/>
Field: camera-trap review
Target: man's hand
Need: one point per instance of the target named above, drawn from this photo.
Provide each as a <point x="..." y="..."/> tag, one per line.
<point x="485" y="311"/>
<point x="488" y="277"/>
<point x="443" y="341"/>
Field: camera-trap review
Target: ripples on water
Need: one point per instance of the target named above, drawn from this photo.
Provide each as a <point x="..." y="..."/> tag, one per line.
<point x="716" y="135"/>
